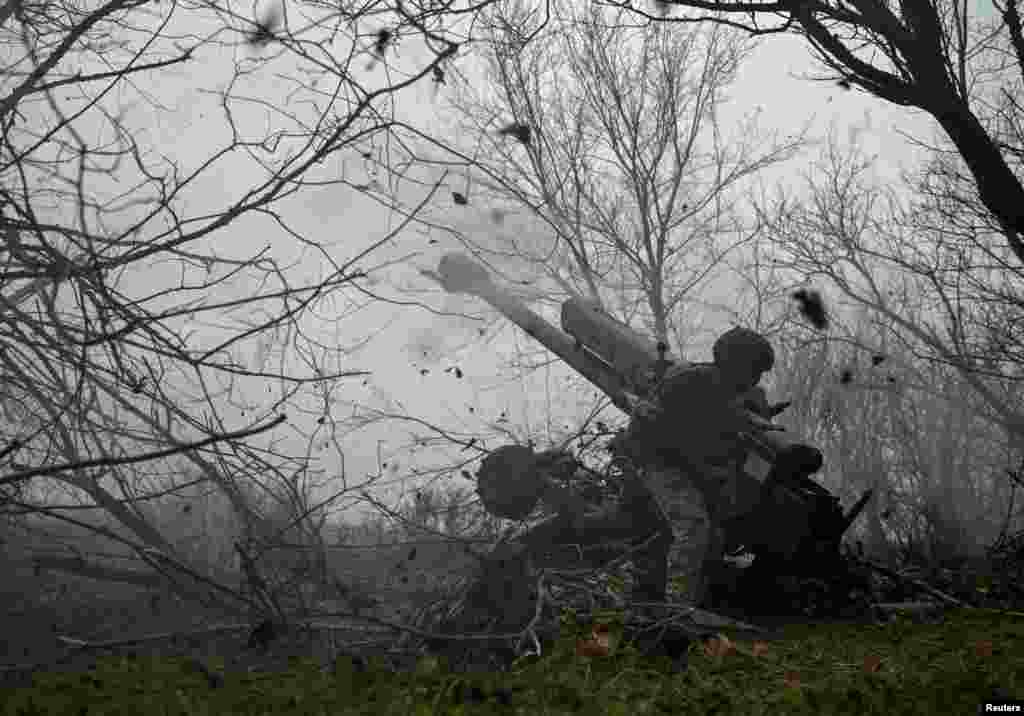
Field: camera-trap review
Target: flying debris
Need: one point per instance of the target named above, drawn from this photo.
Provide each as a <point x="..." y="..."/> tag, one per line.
<point x="263" y="33"/>
<point x="845" y="84"/>
<point x="424" y="371"/>
<point x="263" y="635"/>
<point x="383" y="40"/>
<point x="438" y="75"/>
<point x="459" y="199"/>
<point x="517" y="130"/>
<point x="811" y="307"/>
<point x="497" y="216"/>
<point x="877" y="360"/>
<point x="846" y="377"/>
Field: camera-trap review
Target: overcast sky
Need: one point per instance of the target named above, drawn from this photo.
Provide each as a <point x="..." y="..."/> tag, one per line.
<point x="407" y="340"/>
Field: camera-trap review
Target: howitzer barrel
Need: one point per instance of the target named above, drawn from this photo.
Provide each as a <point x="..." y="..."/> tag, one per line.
<point x="459" y="274"/>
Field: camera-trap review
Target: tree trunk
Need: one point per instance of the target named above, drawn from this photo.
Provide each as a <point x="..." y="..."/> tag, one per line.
<point x="998" y="187"/>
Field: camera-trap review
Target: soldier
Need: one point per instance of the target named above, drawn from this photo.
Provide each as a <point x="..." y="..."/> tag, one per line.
<point x="687" y="458"/>
<point x="681" y="464"/>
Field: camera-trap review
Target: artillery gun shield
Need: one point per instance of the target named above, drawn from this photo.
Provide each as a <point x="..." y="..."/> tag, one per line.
<point x="508" y="482"/>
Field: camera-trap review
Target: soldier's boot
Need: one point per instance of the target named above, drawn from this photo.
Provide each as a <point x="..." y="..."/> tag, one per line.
<point x="653" y="636"/>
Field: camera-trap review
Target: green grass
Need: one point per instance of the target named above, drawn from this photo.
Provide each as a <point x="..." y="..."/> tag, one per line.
<point x="898" y="668"/>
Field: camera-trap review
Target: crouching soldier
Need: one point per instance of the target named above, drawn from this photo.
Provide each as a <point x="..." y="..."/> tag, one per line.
<point x="688" y="457"/>
<point x="681" y="466"/>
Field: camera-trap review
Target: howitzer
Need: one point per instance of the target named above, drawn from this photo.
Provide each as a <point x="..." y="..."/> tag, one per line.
<point x="791" y="517"/>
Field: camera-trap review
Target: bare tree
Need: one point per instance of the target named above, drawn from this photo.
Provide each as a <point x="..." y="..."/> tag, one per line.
<point x="935" y="385"/>
<point x="935" y="55"/>
<point x="138" y="342"/>
<point x="619" y="152"/>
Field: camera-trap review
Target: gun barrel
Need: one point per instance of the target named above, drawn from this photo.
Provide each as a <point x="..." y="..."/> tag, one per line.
<point x="457" y="273"/>
<point x="630" y="354"/>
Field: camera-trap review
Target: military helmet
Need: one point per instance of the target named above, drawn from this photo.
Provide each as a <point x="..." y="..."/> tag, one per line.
<point x="744" y="347"/>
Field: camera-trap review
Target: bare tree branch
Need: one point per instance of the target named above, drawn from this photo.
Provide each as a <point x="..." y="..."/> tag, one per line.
<point x="931" y="65"/>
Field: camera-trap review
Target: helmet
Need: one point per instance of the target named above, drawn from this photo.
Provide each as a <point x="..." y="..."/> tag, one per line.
<point x="744" y="347"/>
<point x="509" y="483"/>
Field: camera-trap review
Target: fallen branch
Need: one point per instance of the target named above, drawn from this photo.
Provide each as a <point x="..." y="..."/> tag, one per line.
<point x="916" y="582"/>
<point x="908" y="606"/>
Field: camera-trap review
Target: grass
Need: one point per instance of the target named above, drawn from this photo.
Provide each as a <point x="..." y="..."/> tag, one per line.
<point x="898" y="668"/>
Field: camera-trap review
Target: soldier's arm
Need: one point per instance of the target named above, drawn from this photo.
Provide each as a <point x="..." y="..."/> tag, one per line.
<point x="562" y="499"/>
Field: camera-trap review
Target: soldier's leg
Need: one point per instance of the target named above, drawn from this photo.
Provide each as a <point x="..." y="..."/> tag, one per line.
<point x="688" y="537"/>
<point x="650" y="568"/>
<point x="651" y="537"/>
<point x="712" y="564"/>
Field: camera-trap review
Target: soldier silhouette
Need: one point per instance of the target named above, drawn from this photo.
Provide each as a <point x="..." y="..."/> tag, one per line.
<point x="687" y="460"/>
<point x="681" y="467"/>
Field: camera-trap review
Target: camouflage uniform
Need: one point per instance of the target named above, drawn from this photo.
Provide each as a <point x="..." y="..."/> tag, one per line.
<point x="688" y="541"/>
<point x="686" y="464"/>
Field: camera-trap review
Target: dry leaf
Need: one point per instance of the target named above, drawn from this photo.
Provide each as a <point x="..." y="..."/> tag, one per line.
<point x="597" y="644"/>
<point x="872" y="663"/>
<point x="718" y="646"/>
<point x="759" y="649"/>
<point x="517" y="130"/>
<point x="983" y="649"/>
<point x="791" y="679"/>
<point x="383" y="38"/>
<point x="262" y="33"/>
<point x="811" y="307"/>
